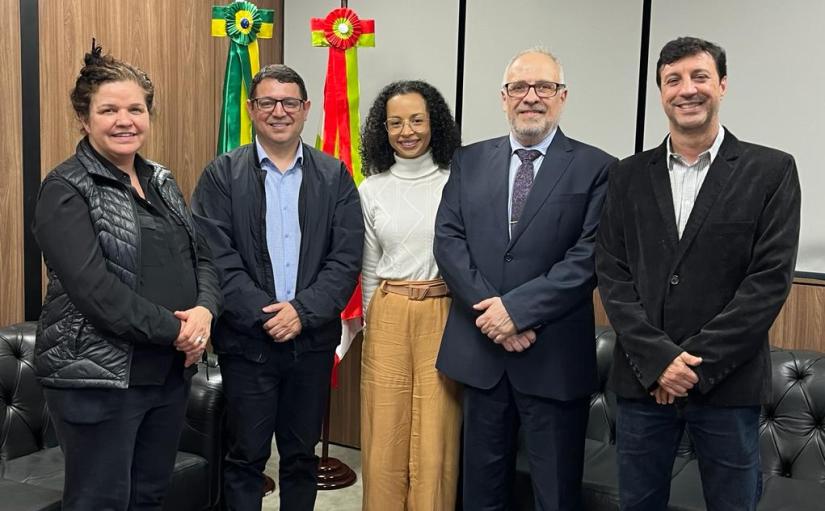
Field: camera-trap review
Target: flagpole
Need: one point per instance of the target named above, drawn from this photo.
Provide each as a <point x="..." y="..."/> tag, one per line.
<point x="332" y="472"/>
<point x="341" y="30"/>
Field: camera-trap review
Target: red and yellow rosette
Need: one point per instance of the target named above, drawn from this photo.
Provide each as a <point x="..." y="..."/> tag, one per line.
<point x="342" y="31"/>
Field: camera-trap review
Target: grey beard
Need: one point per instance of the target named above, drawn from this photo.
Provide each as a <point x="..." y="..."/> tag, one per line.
<point x="536" y="133"/>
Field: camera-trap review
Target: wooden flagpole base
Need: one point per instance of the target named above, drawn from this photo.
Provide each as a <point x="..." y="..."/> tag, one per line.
<point x="269" y="485"/>
<point x="332" y="472"/>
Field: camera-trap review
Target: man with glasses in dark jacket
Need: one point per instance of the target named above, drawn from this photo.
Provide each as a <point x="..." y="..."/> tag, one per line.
<point x="285" y="223"/>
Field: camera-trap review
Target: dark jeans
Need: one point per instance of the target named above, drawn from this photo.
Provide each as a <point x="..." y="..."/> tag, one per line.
<point x="286" y="395"/>
<point x="554" y="434"/>
<point x="726" y="440"/>
<point x="119" y="445"/>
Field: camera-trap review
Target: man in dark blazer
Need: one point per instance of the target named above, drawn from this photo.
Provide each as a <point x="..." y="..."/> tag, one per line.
<point x="514" y="241"/>
<point x="284" y="222"/>
<point x="695" y="256"/>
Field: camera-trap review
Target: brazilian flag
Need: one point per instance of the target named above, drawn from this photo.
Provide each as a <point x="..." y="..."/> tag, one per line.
<point x="243" y="23"/>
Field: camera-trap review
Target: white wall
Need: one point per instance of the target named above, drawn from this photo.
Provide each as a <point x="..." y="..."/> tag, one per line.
<point x="414" y="39"/>
<point x="598" y="43"/>
<point x="776" y="69"/>
<point x="776" y="74"/>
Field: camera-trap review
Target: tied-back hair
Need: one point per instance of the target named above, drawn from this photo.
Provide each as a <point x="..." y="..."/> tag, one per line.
<point x="99" y="69"/>
<point x="377" y="154"/>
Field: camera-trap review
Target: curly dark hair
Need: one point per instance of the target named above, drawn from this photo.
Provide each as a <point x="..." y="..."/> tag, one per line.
<point x="99" y="69"/>
<point x="376" y="151"/>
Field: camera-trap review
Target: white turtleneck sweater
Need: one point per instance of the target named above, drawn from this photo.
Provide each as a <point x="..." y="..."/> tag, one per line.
<point x="399" y="215"/>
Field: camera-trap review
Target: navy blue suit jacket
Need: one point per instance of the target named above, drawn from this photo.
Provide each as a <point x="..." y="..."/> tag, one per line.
<point x="544" y="272"/>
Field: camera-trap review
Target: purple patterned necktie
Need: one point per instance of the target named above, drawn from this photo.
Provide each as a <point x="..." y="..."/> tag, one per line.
<point x="523" y="182"/>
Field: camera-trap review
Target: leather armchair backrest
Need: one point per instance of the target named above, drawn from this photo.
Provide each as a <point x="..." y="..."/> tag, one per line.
<point x="601" y="424"/>
<point x="792" y="430"/>
<point x="24" y="419"/>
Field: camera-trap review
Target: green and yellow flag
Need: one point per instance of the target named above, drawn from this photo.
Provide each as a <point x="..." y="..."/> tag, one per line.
<point x="243" y="23"/>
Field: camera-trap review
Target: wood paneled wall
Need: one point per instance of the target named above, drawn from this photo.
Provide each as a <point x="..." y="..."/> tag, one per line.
<point x="345" y="401"/>
<point x="171" y="41"/>
<point x="11" y="176"/>
<point x="800" y="324"/>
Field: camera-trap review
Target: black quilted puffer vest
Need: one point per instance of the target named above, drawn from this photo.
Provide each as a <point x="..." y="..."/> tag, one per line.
<point x="69" y="351"/>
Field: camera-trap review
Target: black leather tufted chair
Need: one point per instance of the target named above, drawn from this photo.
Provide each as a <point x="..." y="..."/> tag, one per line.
<point x="792" y="441"/>
<point x="31" y="463"/>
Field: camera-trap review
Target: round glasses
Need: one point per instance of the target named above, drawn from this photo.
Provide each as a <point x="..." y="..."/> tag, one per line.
<point x="395" y="125"/>
<point x="543" y="89"/>
<point x="267" y="104"/>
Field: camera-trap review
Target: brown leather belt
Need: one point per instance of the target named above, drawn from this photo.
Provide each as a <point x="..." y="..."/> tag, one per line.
<point x="416" y="289"/>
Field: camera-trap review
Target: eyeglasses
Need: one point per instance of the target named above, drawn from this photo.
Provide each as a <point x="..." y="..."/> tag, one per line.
<point x="543" y="89"/>
<point x="395" y="125"/>
<point x="267" y="104"/>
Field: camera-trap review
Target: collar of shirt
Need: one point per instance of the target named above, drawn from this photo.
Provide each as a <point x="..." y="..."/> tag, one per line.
<point x="267" y="164"/>
<point x="712" y="151"/>
<point x="540" y="147"/>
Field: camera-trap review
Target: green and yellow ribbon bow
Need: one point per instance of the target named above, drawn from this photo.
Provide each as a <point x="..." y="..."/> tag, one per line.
<point x="243" y="23"/>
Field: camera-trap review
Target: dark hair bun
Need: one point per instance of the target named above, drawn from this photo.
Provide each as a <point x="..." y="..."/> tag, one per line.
<point x="94" y="57"/>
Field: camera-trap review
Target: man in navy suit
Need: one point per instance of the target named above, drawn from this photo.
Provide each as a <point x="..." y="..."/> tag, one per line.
<point x="514" y="241"/>
<point x="696" y="252"/>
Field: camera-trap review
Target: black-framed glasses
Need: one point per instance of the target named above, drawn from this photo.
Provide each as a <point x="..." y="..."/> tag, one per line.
<point x="543" y="89"/>
<point x="395" y="125"/>
<point x="267" y="104"/>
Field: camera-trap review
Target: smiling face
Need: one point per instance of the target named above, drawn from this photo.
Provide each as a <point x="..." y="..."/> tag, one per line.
<point x="277" y="128"/>
<point x="692" y="92"/>
<point x="532" y="118"/>
<point x="118" y="122"/>
<point x="410" y="110"/>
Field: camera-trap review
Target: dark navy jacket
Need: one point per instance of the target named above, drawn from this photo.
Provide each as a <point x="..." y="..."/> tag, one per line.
<point x="229" y="205"/>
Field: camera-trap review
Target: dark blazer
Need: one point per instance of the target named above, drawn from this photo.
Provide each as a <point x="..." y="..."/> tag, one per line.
<point x="715" y="292"/>
<point x="544" y="273"/>
<point x="229" y="205"/>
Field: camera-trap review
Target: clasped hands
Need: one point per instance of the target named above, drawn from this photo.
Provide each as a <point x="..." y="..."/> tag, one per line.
<point x="495" y="323"/>
<point x="195" y="328"/>
<point x="285" y="325"/>
<point x="677" y="379"/>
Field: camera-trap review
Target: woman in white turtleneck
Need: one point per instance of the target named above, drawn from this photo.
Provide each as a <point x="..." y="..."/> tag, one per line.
<point x="410" y="414"/>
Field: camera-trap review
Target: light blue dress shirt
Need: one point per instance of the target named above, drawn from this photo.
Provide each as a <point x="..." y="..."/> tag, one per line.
<point x="515" y="162"/>
<point x="283" y="229"/>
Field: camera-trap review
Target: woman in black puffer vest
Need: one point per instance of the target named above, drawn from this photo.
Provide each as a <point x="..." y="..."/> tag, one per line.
<point x="130" y="301"/>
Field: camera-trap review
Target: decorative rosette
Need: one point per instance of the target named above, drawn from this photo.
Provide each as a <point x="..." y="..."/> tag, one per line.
<point x="342" y="27"/>
<point x="243" y="22"/>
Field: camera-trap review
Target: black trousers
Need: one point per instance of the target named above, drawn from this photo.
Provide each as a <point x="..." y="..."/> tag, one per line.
<point x="286" y="395"/>
<point x="554" y="432"/>
<point x="119" y="445"/>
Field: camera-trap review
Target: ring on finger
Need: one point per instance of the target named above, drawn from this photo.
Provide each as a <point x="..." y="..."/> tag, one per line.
<point x="200" y="339"/>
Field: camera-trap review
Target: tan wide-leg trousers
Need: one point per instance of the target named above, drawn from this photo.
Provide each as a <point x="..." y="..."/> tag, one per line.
<point x="410" y="413"/>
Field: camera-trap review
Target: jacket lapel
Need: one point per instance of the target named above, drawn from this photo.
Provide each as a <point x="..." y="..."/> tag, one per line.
<point x="499" y="164"/>
<point x="308" y="194"/>
<point x="662" y="191"/>
<point x="719" y="174"/>
<point x="553" y="167"/>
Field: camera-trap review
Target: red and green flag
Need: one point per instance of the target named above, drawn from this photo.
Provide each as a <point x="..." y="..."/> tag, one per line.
<point x="342" y="31"/>
<point x="243" y="23"/>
